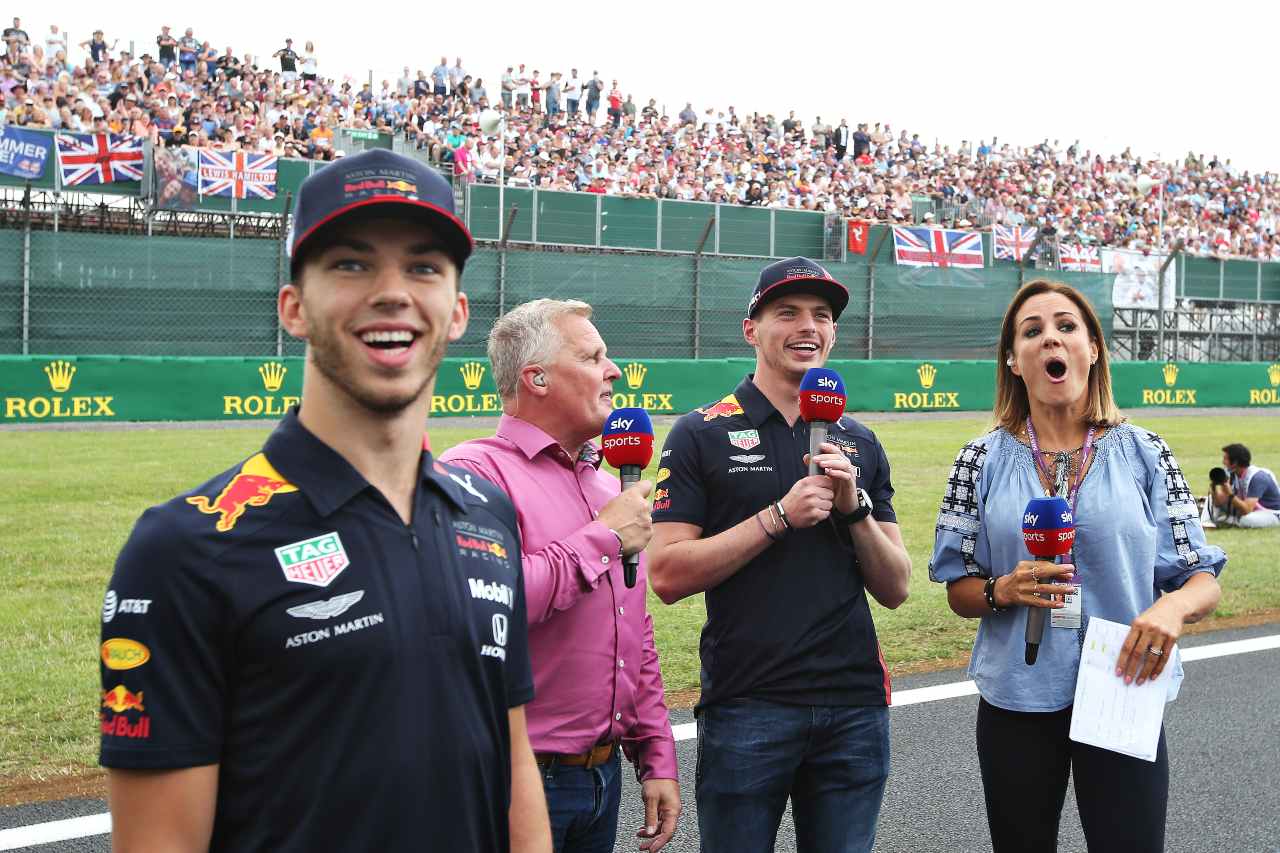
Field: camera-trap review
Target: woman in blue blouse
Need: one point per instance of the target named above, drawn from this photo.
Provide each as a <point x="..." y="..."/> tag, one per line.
<point x="1140" y="558"/>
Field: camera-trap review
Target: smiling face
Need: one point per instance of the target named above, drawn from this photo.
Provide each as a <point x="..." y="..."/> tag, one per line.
<point x="377" y="304"/>
<point x="1052" y="350"/>
<point x="790" y="334"/>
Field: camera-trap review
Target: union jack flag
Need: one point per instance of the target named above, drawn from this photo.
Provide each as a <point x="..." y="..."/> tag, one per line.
<point x="1077" y="257"/>
<point x="99" y="158"/>
<point x="937" y="247"/>
<point x="237" y="173"/>
<point x="1010" y="243"/>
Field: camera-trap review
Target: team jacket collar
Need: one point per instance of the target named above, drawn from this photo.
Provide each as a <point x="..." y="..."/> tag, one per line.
<point x="325" y="477"/>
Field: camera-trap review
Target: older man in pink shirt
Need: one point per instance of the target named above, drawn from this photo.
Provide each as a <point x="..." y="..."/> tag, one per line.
<point x="597" y="683"/>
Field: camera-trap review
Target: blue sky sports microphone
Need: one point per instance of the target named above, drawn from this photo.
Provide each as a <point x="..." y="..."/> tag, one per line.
<point x="627" y="442"/>
<point x="822" y="402"/>
<point x="1048" y="530"/>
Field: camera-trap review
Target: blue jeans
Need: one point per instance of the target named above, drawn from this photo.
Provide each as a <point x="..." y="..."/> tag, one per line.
<point x="831" y="760"/>
<point x="583" y="806"/>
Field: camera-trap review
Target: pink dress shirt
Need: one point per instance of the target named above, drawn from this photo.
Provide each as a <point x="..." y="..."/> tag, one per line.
<point x="595" y="666"/>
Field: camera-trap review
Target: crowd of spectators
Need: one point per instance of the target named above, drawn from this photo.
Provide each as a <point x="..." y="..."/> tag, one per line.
<point x="571" y="131"/>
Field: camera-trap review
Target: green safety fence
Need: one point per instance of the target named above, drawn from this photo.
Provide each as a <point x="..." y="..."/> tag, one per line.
<point x="106" y="388"/>
<point x="588" y="219"/>
<point x="93" y="294"/>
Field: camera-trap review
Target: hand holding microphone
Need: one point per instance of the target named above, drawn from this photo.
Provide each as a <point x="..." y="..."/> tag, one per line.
<point x="627" y="441"/>
<point x="1049" y="530"/>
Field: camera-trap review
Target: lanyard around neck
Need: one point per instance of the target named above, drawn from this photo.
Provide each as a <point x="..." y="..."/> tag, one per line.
<point x="1074" y="492"/>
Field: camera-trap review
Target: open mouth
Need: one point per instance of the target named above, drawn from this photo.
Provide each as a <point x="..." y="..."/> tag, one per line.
<point x="389" y="346"/>
<point x="1056" y="368"/>
<point x="804" y="347"/>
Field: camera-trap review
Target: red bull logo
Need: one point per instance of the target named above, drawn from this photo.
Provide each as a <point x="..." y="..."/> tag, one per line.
<point x="120" y="699"/>
<point x="726" y="408"/>
<point x="255" y="485"/>
<point x="119" y="726"/>
<point x="473" y="543"/>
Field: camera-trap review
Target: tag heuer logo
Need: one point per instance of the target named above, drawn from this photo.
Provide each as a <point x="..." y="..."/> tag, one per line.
<point x="316" y="561"/>
<point x="746" y="439"/>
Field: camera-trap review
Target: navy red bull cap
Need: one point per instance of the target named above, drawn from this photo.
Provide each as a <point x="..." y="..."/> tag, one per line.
<point x="797" y="275"/>
<point x="380" y="180"/>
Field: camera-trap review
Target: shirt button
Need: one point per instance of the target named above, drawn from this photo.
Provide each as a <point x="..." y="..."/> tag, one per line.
<point x="622" y="611"/>
<point x="617" y="716"/>
<point x="604" y="559"/>
<point x="621" y="663"/>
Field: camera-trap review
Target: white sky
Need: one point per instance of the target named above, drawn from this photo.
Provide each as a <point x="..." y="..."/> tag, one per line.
<point x="1161" y="77"/>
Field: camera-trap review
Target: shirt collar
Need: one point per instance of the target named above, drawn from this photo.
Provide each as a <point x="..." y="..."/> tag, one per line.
<point x="327" y="479"/>
<point x="754" y="403"/>
<point x="531" y="440"/>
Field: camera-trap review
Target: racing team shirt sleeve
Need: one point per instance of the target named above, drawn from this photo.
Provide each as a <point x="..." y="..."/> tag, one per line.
<point x="163" y="653"/>
<point x="880" y="489"/>
<point x="519" y="670"/>
<point x="681" y="488"/>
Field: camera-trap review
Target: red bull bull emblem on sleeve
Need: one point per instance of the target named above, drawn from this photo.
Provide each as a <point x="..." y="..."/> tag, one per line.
<point x="255" y="485"/>
<point x="727" y="407"/>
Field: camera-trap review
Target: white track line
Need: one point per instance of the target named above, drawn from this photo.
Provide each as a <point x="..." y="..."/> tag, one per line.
<point x="58" y="830"/>
<point x="100" y="824"/>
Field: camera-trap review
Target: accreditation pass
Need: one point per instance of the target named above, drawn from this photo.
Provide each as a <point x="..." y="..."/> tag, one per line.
<point x="1068" y="616"/>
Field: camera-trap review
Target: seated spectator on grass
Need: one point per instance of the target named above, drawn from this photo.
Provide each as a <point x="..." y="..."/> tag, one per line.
<point x="1250" y="496"/>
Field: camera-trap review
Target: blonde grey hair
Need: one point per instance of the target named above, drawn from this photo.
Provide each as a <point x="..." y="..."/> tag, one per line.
<point x="528" y="334"/>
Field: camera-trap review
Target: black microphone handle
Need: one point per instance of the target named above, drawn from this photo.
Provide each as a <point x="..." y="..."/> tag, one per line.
<point x="630" y="475"/>
<point x="1034" y="634"/>
<point x="817" y="435"/>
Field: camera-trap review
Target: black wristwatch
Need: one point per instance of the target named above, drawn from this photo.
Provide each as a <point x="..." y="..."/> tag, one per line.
<point x="863" y="510"/>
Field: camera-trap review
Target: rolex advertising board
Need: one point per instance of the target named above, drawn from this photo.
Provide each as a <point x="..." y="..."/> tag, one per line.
<point x="43" y="389"/>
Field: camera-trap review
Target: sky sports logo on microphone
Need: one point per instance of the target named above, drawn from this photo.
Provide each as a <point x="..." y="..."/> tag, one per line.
<point x="1048" y="527"/>
<point x="822" y="395"/>
<point x="627" y="438"/>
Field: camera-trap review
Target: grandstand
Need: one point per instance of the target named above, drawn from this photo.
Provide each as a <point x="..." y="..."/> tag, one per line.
<point x="555" y="139"/>
<point x="586" y="166"/>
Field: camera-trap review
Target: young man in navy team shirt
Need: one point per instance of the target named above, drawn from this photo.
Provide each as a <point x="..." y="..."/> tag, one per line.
<point x="325" y="646"/>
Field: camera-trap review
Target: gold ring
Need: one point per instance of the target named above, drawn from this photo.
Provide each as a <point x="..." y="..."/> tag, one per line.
<point x="1155" y="651"/>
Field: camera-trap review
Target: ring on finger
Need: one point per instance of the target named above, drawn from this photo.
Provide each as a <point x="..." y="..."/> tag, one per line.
<point x="1155" y="651"/>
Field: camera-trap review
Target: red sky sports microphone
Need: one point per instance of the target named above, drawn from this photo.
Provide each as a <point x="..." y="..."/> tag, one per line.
<point x="821" y="404"/>
<point x="627" y="440"/>
<point x="1049" y="531"/>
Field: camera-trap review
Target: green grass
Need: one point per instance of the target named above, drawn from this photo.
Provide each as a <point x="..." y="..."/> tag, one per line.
<point x="70" y="498"/>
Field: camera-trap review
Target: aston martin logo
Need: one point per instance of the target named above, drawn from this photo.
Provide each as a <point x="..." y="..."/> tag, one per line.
<point x="328" y="608"/>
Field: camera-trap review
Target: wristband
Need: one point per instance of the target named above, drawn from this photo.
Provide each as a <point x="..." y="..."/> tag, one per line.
<point x="771" y="536"/>
<point x="989" y="591"/>
<point x="782" y="513"/>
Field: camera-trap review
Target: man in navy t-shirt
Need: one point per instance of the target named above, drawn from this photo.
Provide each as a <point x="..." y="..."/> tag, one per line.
<point x="325" y="647"/>
<point x="794" y="688"/>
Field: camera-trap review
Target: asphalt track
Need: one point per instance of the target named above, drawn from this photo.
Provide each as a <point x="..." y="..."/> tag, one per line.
<point x="1224" y="745"/>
